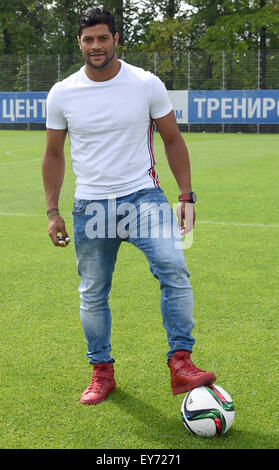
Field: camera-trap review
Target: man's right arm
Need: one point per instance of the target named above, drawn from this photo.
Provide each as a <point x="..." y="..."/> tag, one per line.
<point x="53" y="169"/>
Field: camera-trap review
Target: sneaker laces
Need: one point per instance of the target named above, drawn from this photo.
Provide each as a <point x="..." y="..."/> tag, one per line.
<point x="188" y="367"/>
<point x="98" y="380"/>
<point x="184" y="365"/>
<point x="96" y="385"/>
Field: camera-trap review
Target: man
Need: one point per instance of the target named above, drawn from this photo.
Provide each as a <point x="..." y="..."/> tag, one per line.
<point x="108" y="108"/>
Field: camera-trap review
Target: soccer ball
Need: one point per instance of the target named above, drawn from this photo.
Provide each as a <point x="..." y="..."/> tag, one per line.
<point x="207" y="411"/>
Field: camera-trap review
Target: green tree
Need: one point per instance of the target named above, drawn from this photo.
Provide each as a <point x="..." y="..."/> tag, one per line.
<point x="22" y="26"/>
<point x="166" y="33"/>
<point x="235" y="26"/>
<point x="230" y="25"/>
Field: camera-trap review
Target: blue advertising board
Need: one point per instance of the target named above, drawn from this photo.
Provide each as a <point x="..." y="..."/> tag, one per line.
<point x="16" y="107"/>
<point x="233" y="106"/>
<point x="192" y="107"/>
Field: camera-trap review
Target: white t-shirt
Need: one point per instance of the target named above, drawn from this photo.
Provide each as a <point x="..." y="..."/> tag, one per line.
<point x="110" y="129"/>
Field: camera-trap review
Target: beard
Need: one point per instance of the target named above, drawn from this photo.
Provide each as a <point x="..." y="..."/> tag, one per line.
<point x="104" y="65"/>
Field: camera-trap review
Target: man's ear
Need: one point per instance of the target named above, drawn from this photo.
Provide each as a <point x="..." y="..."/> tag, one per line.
<point x="116" y="39"/>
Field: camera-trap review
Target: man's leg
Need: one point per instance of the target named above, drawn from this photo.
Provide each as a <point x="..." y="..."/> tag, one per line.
<point x="95" y="267"/>
<point x="96" y="259"/>
<point x="164" y="252"/>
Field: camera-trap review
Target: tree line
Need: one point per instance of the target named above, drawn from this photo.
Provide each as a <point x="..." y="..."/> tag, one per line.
<point x="170" y="28"/>
<point x="47" y="26"/>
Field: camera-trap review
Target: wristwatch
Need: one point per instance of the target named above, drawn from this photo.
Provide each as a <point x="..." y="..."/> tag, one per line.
<point x="189" y="197"/>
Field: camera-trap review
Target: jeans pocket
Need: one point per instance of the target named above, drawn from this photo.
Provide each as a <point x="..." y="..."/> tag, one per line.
<point x="79" y="206"/>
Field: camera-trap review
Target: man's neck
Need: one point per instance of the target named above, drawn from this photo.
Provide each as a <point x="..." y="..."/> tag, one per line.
<point x="103" y="75"/>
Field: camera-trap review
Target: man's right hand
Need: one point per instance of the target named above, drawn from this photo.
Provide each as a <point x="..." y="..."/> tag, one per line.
<point x="57" y="231"/>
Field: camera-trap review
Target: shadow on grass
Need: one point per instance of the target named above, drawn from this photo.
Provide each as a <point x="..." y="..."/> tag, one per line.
<point x="158" y="429"/>
<point x="162" y="430"/>
<point x="150" y="424"/>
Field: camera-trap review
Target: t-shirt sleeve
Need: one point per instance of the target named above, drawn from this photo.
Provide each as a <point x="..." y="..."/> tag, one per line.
<point x="159" y="102"/>
<point x="55" y="118"/>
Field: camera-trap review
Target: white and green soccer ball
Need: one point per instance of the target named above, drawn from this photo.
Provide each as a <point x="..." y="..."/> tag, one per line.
<point x="208" y="411"/>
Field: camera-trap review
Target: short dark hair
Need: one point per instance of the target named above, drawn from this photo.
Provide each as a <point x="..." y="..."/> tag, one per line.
<point x="96" y="15"/>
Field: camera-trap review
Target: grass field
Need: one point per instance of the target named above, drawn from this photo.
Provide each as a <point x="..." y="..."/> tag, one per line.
<point x="233" y="262"/>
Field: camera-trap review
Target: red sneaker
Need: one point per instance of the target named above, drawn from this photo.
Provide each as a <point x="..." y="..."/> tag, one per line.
<point x="185" y="375"/>
<point x="101" y="384"/>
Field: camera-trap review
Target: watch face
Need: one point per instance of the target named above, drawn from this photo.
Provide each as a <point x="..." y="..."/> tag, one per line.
<point x="194" y="197"/>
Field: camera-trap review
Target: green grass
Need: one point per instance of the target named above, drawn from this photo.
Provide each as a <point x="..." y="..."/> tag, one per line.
<point x="233" y="262"/>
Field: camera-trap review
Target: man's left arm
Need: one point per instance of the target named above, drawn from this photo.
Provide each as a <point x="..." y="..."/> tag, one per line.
<point x="179" y="162"/>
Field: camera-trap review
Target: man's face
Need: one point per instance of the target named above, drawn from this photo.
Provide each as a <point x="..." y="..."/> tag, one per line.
<point x="98" y="46"/>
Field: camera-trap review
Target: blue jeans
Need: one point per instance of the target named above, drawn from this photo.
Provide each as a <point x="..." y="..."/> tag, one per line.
<point x="146" y="220"/>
